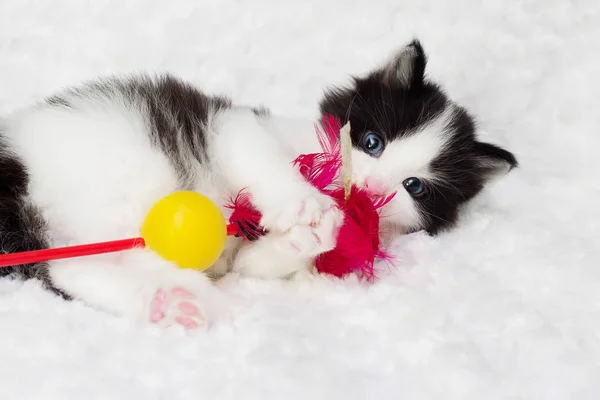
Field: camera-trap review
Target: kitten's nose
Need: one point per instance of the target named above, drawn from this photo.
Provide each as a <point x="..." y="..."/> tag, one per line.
<point x="375" y="187"/>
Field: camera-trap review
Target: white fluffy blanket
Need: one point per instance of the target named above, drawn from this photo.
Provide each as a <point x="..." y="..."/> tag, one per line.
<point x="505" y="307"/>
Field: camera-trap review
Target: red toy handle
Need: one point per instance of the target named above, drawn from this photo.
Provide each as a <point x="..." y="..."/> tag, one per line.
<point x="30" y="257"/>
<point x="34" y="256"/>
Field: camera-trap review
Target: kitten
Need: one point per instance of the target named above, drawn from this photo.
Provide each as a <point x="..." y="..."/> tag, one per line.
<point x="86" y="164"/>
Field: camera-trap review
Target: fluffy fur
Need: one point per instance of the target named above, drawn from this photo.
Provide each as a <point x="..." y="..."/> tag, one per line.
<point x="86" y="164"/>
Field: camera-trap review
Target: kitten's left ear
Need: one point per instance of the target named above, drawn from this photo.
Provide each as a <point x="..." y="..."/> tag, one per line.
<point x="493" y="160"/>
<point x="407" y="67"/>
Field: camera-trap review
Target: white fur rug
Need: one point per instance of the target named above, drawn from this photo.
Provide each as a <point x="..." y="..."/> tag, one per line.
<point x="505" y="307"/>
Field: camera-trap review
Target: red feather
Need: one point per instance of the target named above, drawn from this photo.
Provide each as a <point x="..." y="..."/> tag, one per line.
<point x="357" y="244"/>
<point x="321" y="169"/>
<point x="245" y="217"/>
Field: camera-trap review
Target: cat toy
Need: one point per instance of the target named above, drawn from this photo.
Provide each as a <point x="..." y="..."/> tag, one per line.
<point x="188" y="229"/>
<point x="184" y="227"/>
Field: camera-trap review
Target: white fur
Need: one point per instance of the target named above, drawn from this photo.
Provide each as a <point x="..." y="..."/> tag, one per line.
<point x="403" y="158"/>
<point x="93" y="172"/>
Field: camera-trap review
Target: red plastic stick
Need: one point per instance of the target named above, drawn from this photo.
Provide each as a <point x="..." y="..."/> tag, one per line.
<point x="232" y="230"/>
<point x="30" y="257"/>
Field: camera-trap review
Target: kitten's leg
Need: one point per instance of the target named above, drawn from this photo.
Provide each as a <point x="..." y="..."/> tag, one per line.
<point x="250" y="156"/>
<point x="140" y="284"/>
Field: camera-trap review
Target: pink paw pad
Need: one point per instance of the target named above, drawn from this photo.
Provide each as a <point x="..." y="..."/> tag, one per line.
<point x="176" y="305"/>
<point x="188" y="309"/>
<point x="187" y="322"/>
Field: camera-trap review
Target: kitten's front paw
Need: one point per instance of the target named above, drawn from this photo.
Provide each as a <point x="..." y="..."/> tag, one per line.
<point x="303" y="206"/>
<point x="314" y="239"/>
<point x="307" y="222"/>
<point x="303" y="211"/>
<point x="176" y="305"/>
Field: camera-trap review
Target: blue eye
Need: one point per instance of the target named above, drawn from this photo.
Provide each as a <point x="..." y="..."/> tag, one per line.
<point x="414" y="186"/>
<point x="372" y="144"/>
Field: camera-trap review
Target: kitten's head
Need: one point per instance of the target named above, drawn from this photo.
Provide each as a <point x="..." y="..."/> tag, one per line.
<point x="409" y="137"/>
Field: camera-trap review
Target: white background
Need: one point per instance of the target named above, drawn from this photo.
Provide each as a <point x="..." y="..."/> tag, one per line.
<point x="505" y="307"/>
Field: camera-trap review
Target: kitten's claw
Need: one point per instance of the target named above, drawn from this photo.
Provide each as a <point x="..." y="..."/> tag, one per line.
<point x="312" y="238"/>
<point x="176" y="305"/>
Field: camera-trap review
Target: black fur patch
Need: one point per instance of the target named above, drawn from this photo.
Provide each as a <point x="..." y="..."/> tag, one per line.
<point x="22" y="227"/>
<point x="178" y="112"/>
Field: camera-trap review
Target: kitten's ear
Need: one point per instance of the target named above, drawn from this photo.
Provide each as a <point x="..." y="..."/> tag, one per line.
<point x="494" y="161"/>
<point x="407" y="67"/>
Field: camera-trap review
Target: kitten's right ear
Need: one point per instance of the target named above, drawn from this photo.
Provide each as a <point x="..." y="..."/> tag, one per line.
<point x="407" y="67"/>
<point x="494" y="161"/>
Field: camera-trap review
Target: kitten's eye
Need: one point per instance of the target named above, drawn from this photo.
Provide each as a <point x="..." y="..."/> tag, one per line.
<point x="414" y="186"/>
<point x="372" y="144"/>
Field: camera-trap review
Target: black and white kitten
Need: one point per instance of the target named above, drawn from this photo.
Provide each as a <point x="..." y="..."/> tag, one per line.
<point x="86" y="165"/>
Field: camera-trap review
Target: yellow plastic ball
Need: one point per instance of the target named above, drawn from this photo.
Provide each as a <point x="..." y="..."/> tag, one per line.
<point x="186" y="228"/>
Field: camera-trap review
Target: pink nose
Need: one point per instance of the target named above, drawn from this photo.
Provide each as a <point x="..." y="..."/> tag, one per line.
<point x="375" y="187"/>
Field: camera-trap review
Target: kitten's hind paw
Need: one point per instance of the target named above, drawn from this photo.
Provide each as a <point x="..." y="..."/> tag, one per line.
<point x="177" y="305"/>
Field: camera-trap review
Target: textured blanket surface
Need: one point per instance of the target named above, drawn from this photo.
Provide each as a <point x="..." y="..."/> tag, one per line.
<point x="507" y="306"/>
